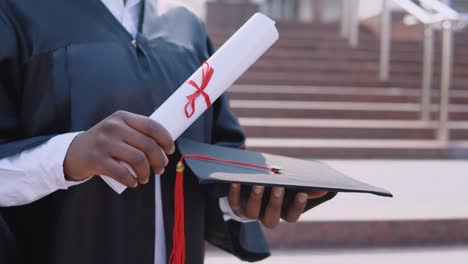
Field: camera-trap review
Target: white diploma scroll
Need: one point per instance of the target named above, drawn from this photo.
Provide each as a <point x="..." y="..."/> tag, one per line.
<point x="229" y="62"/>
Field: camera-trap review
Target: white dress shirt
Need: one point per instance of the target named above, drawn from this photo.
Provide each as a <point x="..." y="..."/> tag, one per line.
<point x="38" y="172"/>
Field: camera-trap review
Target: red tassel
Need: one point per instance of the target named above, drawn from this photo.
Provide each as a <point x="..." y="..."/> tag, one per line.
<point x="178" y="233"/>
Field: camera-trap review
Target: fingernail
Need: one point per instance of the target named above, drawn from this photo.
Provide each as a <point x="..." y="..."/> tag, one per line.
<point x="146" y="181"/>
<point x="316" y="194"/>
<point x="258" y="190"/>
<point x="302" y="198"/>
<point x="278" y="193"/>
<point x="135" y="185"/>
<point x="160" y="172"/>
<point x="172" y="150"/>
<point x="235" y="186"/>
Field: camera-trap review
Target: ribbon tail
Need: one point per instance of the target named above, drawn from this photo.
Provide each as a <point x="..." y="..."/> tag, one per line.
<point x="189" y="108"/>
<point x="207" y="99"/>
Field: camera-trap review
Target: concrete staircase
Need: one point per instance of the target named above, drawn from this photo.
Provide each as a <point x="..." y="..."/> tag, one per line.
<point x="313" y="96"/>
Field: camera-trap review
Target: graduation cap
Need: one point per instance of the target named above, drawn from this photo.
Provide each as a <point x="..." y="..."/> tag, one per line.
<point x="217" y="164"/>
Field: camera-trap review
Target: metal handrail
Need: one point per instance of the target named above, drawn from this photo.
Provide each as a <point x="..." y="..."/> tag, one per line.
<point x="350" y="21"/>
<point x="440" y="14"/>
<point x="444" y="16"/>
<point x="428" y="19"/>
<point x="419" y="13"/>
<point x="441" y="8"/>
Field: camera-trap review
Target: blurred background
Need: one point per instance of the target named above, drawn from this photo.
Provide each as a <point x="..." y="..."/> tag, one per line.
<point x="378" y="90"/>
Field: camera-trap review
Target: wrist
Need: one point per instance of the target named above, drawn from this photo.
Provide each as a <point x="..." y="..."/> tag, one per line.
<point x="71" y="165"/>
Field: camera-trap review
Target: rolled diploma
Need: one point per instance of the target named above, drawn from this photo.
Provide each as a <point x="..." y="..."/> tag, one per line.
<point x="230" y="61"/>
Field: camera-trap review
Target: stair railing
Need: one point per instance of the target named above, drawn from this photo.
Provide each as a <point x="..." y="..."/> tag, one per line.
<point x="431" y="14"/>
<point x="350" y="21"/>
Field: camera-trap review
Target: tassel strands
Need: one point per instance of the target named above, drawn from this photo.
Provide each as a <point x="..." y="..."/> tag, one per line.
<point x="178" y="235"/>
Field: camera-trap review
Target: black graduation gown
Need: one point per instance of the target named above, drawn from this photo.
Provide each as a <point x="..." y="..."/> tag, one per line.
<point x="64" y="66"/>
<point x="7" y="243"/>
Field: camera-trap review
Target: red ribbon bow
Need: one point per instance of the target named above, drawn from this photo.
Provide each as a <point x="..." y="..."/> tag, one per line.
<point x="207" y="73"/>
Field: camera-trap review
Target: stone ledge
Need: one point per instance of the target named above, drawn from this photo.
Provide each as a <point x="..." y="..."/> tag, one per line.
<point x="374" y="234"/>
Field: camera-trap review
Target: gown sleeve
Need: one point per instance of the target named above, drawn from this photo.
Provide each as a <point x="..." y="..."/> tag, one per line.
<point x="12" y="139"/>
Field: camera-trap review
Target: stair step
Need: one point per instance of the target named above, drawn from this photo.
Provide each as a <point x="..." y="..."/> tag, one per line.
<point x="371" y="67"/>
<point x="369" y="234"/>
<point x="322" y="80"/>
<point x="341" y="90"/>
<point x="336" y="79"/>
<point x="346" y="55"/>
<point x="348" y="144"/>
<point x="318" y="54"/>
<point x="307" y="34"/>
<point x="325" y="51"/>
<point x="366" y="41"/>
<point x="432" y="254"/>
<point x="344" y="133"/>
<point x="337" y="94"/>
<point x="348" y="129"/>
<point x="337" y="110"/>
<point x="330" y="97"/>
<point x="358" y="148"/>
<point x="341" y="114"/>
<point x="281" y="25"/>
<point x="308" y="105"/>
<point x="336" y="123"/>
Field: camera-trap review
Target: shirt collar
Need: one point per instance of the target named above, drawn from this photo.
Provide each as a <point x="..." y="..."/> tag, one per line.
<point x="131" y="3"/>
<point x="119" y="4"/>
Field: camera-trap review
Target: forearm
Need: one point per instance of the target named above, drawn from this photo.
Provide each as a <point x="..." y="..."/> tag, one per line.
<point x="35" y="173"/>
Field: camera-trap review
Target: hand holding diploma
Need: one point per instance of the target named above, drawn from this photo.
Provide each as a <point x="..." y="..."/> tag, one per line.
<point x="212" y="79"/>
<point x="134" y="139"/>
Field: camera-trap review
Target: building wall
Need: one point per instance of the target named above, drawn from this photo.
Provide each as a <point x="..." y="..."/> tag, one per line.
<point x="197" y="6"/>
<point x="331" y="8"/>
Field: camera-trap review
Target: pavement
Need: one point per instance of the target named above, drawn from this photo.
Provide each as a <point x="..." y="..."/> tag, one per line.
<point x="454" y="255"/>
<point x="422" y="189"/>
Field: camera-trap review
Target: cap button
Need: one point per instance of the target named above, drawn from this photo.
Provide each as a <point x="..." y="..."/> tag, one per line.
<point x="180" y="166"/>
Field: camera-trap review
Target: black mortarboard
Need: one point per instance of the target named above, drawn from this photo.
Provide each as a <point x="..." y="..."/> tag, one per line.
<point x="216" y="164"/>
<point x="290" y="172"/>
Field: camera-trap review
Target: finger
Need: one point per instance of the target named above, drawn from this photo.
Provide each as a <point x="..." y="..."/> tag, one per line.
<point x="273" y="210"/>
<point x="297" y="208"/>
<point x="254" y="203"/>
<point x="133" y="157"/>
<point x="150" y="128"/>
<point x="111" y="168"/>
<point x="234" y="198"/>
<point x="159" y="161"/>
<point x="155" y="155"/>
<point x="317" y="194"/>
